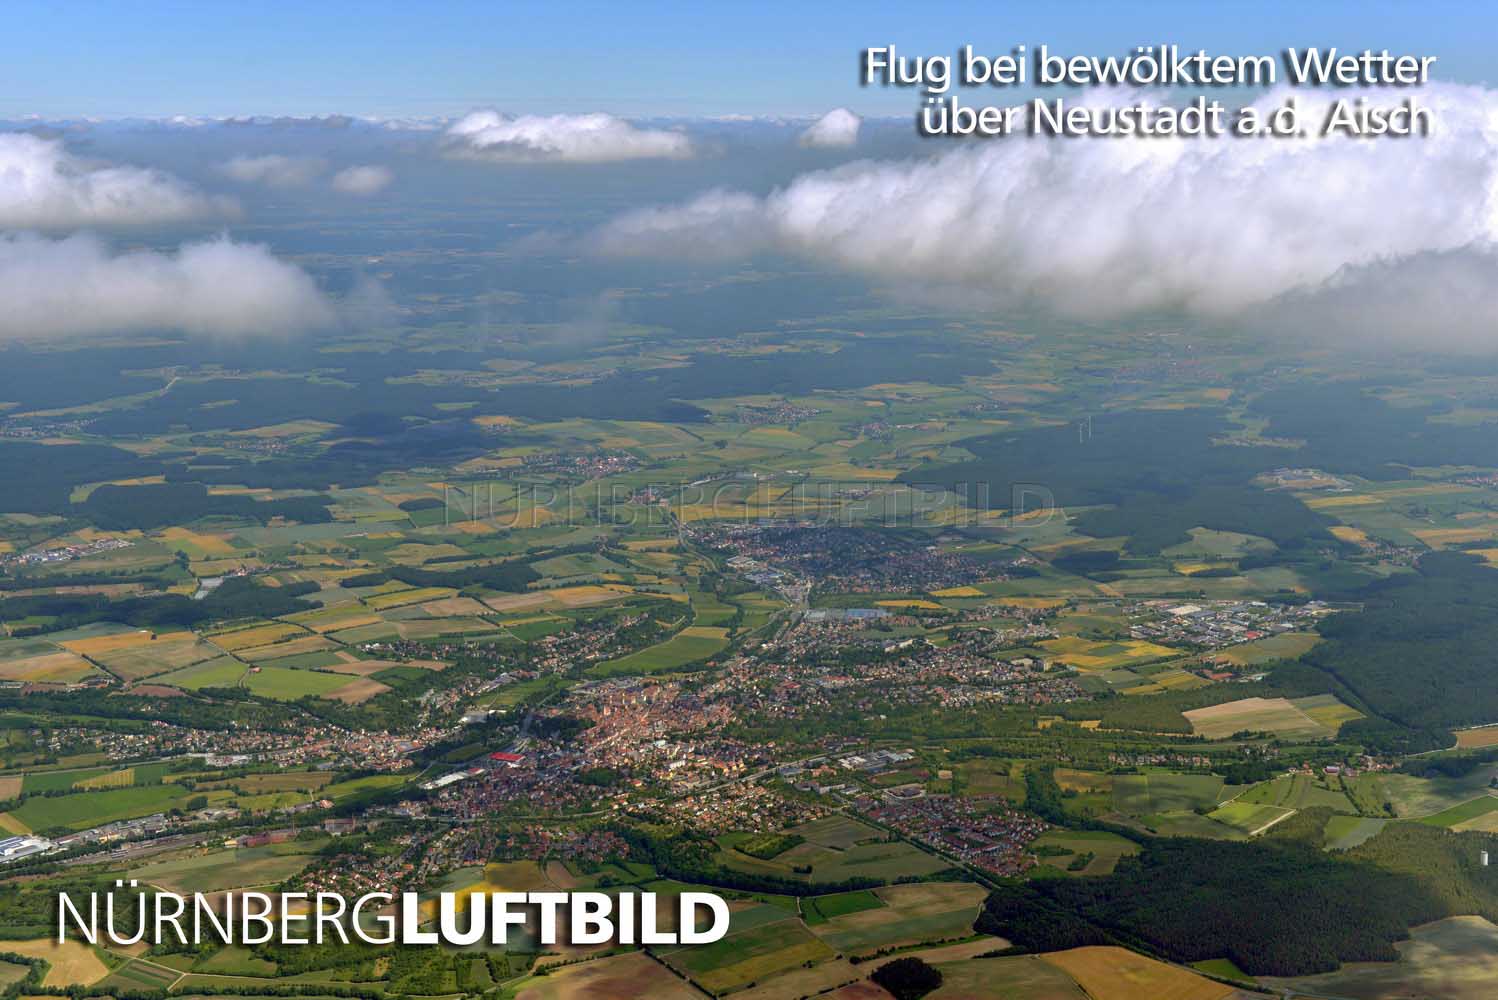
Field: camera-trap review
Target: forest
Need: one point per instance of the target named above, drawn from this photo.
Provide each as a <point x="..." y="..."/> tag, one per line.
<point x="1307" y="911"/>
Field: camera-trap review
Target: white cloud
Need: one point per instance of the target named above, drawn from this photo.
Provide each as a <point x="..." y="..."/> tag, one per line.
<point x="78" y="286"/>
<point x="1212" y="228"/>
<point x="43" y="186"/>
<point x="595" y="138"/>
<point x="362" y="180"/>
<point x="274" y="170"/>
<point x="837" y="129"/>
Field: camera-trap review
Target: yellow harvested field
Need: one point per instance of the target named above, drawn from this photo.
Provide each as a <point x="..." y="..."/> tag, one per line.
<point x="1275" y="715"/>
<point x="72" y="963"/>
<point x="354" y="619"/>
<point x="49" y="668"/>
<point x="208" y="545"/>
<point x="1085" y="654"/>
<point x="1218" y="394"/>
<point x="705" y="632"/>
<point x="292" y="428"/>
<point x="1343" y="500"/>
<point x="517" y="602"/>
<point x="451" y="606"/>
<point x="495" y="420"/>
<point x="291" y="647"/>
<point x="357" y="692"/>
<point x="113" y="779"/>
<point x="10" y="787"/>
<point x="958" y="592"/>
<point x="1188" y="568"/>
<point x="925" y="605"/>
<point x="418" y="595"/>
<point x="1436" y="537"/>
<point x="1030" y="603"/>
<point x="1472" y="739"/>
<point x="1119" y="974"/>
<point x="631" y="976"/>
<point x="651" y="545"/>
<point x="579" y="597"/>
<point x="259" y="635"/>
<point x="124" y="640"/>
<point x="1356" y="536"/>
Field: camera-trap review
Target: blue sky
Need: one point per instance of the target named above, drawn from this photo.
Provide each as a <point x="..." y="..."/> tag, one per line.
<point x="152" y="58"/>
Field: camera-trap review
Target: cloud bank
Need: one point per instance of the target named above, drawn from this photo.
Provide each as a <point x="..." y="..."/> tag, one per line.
<point x="43" y="186"/>
<point x="837" y="129"/>
<point x="274" y="170"/>
<point x="77" y="286"/>
<point x="1309" y="231"/>
<point x="595" y="138"/>
<point x="362" y="180"/>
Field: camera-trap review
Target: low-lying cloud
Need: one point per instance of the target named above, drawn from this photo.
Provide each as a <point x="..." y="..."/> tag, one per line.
<point x="595" y="138"/>
<point x="362" y="181"/>
<point x="78" y="286"/>
<point x="1221" y="230"/>
<point x="43" y="186"/>
<point x="274" y="170"/>
<point x="837" y="129"/>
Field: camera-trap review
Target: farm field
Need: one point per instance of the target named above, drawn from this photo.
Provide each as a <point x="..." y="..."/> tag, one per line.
<point x="1280" y="716"/>
<point x="1300" y="791"/>
<point x="1106" y="848"/>
<point x="58" y="667"/>
<point x="1285" y="646"/>
<point x="72" y="962"/>
<point x="1460" y="816"/>
<point x="86" y="809"/>
<point x="1248" y="818"/>
<point x="1086" y="654"/>
<point x="1476" y="739"/>
<point x="688" y="646"/>
<point x="214" y="871"/>
<point x="748" y="956"/>
<point x="632" y="976"/>
<point x="924" y="911"/>
<point x="1022" y="976"/>
<point x="1156" y="792"/>
<point x="1107" y="973"/>
<point x="1454" y="959"/>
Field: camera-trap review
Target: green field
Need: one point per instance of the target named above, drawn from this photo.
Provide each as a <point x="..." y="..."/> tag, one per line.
<point x="82" y="810"/>
<point x="289" y="685"/>
<point x="225" y="869"/>
<point x="1300" y="791"/>
<point x="820" y="909"/>
<point x="1246" y="817"/>
<point x="747" y="957"/>
<point x="1106" y="848"/>
<point x="1158" y="792"/>
<point x="686" y="647"/>
<point x="1480" y="806"/>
